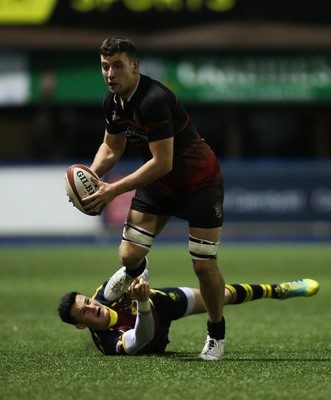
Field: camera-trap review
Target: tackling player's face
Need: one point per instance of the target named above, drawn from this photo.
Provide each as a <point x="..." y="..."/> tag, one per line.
<point x="120" y="73"/>
<point x="90" y="313"/>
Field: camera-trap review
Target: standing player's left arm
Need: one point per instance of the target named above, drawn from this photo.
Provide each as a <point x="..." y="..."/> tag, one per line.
<point x="162" y="157"/>
<point x="159" y="165"/>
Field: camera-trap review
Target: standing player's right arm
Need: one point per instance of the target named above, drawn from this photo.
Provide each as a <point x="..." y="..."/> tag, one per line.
<point x="108" y="153"/>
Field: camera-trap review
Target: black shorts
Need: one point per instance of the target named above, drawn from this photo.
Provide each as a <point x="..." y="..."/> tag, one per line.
<point x="202" y="209"/>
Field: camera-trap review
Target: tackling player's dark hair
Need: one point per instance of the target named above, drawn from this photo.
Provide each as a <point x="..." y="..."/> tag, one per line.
<point x="117" y="44"/>
<point x="67" y="301"/>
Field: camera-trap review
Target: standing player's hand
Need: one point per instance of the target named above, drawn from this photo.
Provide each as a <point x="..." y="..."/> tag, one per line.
<point x="98" y="201"/>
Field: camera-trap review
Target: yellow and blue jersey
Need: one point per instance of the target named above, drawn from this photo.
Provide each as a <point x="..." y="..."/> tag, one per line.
<point x="167" y="304"/>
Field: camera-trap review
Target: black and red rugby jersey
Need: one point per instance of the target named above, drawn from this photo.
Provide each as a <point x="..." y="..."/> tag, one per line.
<point x="154" y="113"/>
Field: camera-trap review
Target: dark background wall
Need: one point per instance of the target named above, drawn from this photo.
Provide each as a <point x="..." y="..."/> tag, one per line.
<point x="51" y="129"/>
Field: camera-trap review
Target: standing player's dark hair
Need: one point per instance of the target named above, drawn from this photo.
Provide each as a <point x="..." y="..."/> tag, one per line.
<point x="117" y="44"/>
<point x="67" y="301"/>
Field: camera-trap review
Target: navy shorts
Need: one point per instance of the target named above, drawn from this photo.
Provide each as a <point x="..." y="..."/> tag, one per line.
<point x="202" y="209"/>
<point x="170" y="304"/>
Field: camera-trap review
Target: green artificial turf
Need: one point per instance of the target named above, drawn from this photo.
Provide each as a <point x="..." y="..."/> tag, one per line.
<point x="275" y="349"/>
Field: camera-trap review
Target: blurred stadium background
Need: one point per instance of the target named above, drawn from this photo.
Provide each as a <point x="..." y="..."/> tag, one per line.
<point x="255" y="77"/>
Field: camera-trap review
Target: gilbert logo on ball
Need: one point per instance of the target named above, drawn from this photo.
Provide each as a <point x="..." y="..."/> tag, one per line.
<point x="78" y="184"/>
<point x="87" y="184"/>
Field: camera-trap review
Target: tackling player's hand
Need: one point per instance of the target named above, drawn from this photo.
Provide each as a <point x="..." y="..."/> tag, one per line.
<point x="140" y="289"/>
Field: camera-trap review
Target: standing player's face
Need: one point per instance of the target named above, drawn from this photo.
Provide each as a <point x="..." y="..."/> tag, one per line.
<point x="120" y="73"/>
<point x="90" y="313"/>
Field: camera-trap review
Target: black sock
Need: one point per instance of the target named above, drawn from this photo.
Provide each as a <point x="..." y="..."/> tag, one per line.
<point x="138" y="271"/>
<point x="241" y="293"/>
<point x="216" y="330"/>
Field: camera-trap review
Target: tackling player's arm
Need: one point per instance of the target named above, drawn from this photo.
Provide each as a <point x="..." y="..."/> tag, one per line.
<point x="143" y="332"/>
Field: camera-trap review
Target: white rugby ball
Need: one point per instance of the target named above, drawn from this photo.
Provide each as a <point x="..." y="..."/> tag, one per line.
<point x="78" y="185"/>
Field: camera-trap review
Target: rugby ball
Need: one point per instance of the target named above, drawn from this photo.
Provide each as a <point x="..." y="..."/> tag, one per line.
<point x="78" y="185"/>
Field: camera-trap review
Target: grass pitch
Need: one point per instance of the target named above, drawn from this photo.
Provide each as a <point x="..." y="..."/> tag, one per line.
<point x="275" y="350"/>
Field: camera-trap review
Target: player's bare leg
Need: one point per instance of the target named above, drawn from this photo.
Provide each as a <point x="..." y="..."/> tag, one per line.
<point x="203" y="249"/>
<point x="212" y="287"/>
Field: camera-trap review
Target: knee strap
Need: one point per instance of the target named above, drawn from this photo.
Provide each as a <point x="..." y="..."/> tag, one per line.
<point x="202" y="249"/>
<point x="138" y="236"/>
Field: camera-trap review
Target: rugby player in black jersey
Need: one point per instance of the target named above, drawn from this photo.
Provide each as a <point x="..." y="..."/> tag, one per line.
<point x="180" y="176"/>
<point x="139" y="321"/>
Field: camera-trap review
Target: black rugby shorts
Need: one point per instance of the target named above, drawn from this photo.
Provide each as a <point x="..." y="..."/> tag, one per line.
<point x="202" y="209"/>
